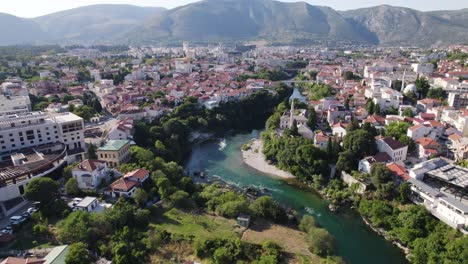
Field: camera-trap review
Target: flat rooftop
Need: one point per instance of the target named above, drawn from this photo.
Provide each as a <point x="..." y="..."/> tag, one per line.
<point x="114" y="145"/>
<point x="66" y="117"/>
<point x="86" y="201"/>
<point x="451" y="174"/>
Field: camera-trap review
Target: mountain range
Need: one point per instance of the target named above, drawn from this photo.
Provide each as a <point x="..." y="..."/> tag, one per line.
<point x="237" y="20"/>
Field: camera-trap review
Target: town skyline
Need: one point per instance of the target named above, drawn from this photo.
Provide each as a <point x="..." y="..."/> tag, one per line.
<point x="41" y="8"/>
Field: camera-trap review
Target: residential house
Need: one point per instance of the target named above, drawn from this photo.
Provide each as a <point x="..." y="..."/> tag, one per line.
<point x="339" y="129"/>
<point x="366" y="163"/>
<point x="90" y="173"/>
<point x="127" y="185"/>
<point x="427" y="103"/>
<point x="459" y="146"/>
<point x="399" y="171"/>
<point x="321" y="140"/>
<point x="87" y="204"/>
<point x="396" y="150"/>
<point x="428" y="147"/>
<point x="419" y="131"/>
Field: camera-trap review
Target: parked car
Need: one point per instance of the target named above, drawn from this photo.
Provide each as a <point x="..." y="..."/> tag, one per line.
<point x="6" y="231"/>
<point x="17" y="219"/>
<point x="31" y="210"/>
<point x="26" y="215"/>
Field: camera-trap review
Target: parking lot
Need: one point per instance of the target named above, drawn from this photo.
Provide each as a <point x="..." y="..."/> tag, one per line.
<point x="6" y="221"/>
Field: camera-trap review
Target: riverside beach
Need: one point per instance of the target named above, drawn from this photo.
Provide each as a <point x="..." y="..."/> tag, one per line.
<point x="254" y="158"/>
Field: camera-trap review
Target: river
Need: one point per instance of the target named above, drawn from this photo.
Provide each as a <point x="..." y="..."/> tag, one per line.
<point x="356" y="242"/>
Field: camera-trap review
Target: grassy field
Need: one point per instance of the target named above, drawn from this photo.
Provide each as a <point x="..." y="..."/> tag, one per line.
<point x="196" y="225"/>
<point x="291" y="240"/>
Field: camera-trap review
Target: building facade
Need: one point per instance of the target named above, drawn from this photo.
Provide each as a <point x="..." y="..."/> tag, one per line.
<point x="115" y="152"/>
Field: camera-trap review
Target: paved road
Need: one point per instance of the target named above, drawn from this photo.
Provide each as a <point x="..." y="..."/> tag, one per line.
<point x="6" y="221"/>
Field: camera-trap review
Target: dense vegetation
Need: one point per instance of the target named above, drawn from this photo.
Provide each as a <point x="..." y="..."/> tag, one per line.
<point x="126" y="233"/>
<point x="293" y="153"/>
<point x="169" y="137"/>
<point x="384" y="205"/>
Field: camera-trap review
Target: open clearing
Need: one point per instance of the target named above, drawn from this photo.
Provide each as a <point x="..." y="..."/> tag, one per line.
<point x="197" y="225"/>
<point x="291" y="240"/>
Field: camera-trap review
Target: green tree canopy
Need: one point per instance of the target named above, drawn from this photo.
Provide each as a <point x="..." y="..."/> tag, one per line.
<point x="320" y="242"/>
<point x="268" y="208"/>
<point x="78" y="254"/>
<point x="71" y="187"/>
<point x="42" y="190"/>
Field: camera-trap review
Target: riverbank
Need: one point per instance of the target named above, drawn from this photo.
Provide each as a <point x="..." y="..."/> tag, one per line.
<point x="252" y="155"/>
<point x="254" y="158"/>
<point x="227" y="165"/>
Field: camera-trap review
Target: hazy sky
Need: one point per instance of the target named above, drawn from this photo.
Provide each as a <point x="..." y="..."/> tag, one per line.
<point x="33" y="8"/>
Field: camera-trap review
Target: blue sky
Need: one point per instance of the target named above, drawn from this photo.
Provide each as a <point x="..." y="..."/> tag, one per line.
<point x="33" y="8"/>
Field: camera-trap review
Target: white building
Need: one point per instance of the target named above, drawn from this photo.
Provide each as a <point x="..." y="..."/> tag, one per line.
<point x="14" y="104"/>
<point x="183" y="66"/>
<point x="423" y="68"/>
<point x="440" y="200"/>
<point x="90" y="173"/>
<point x="29" y="130"/>
<point x="127" y="185"/>
<point x="396" y="150"/>
<point x="419" y="131"/>
<point x="384" y="96"/>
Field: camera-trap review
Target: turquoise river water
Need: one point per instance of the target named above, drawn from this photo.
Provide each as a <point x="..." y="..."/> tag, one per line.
<point x="356" y="242"/>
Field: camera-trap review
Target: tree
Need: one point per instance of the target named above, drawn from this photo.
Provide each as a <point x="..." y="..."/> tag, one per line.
<point x="437" y="93"/>
<point x="376" y="109"/>
<point x="347" y="161"/>
<point x="71" y="187"/>
<point x="78" y="254"/>
<point x="360" y="142"/>
<point x="140" y="197"/>
<point x="311" y="118"/>
<point x="92" y="152"/>
<point x="165" y="187"/>
<point x="307" y="223"/>
<point x="43" y="190"/>
<point x="180" y="199"/>
<point x="396" y="85"/>
<point x="268" y="208"/>
<point x="320" y="242"/>
<point x="294" y="130"/>
<point x="77" y="227"/>
<point x="346" y="103"/>
<point x="408" y="112"/>
<point x="222" y="255"/>
<point x="380" y="174"/>
<point x="397" y="129"/>
<point x="84" y="112"/>
<point x="404" y="192"/>
<point x="370" y="106"/>
<point x="422" y="86"/>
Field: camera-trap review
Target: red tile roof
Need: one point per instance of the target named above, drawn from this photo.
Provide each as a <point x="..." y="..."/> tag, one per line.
<point x="391" y="142"/>
<point x="426" y="142"/>
<point x="88" y="165"/>
<point x="138" y="173"/>
<point x="398" y="170"/>
<point x="13" y="260"/>
<point x="123" y="185"/>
